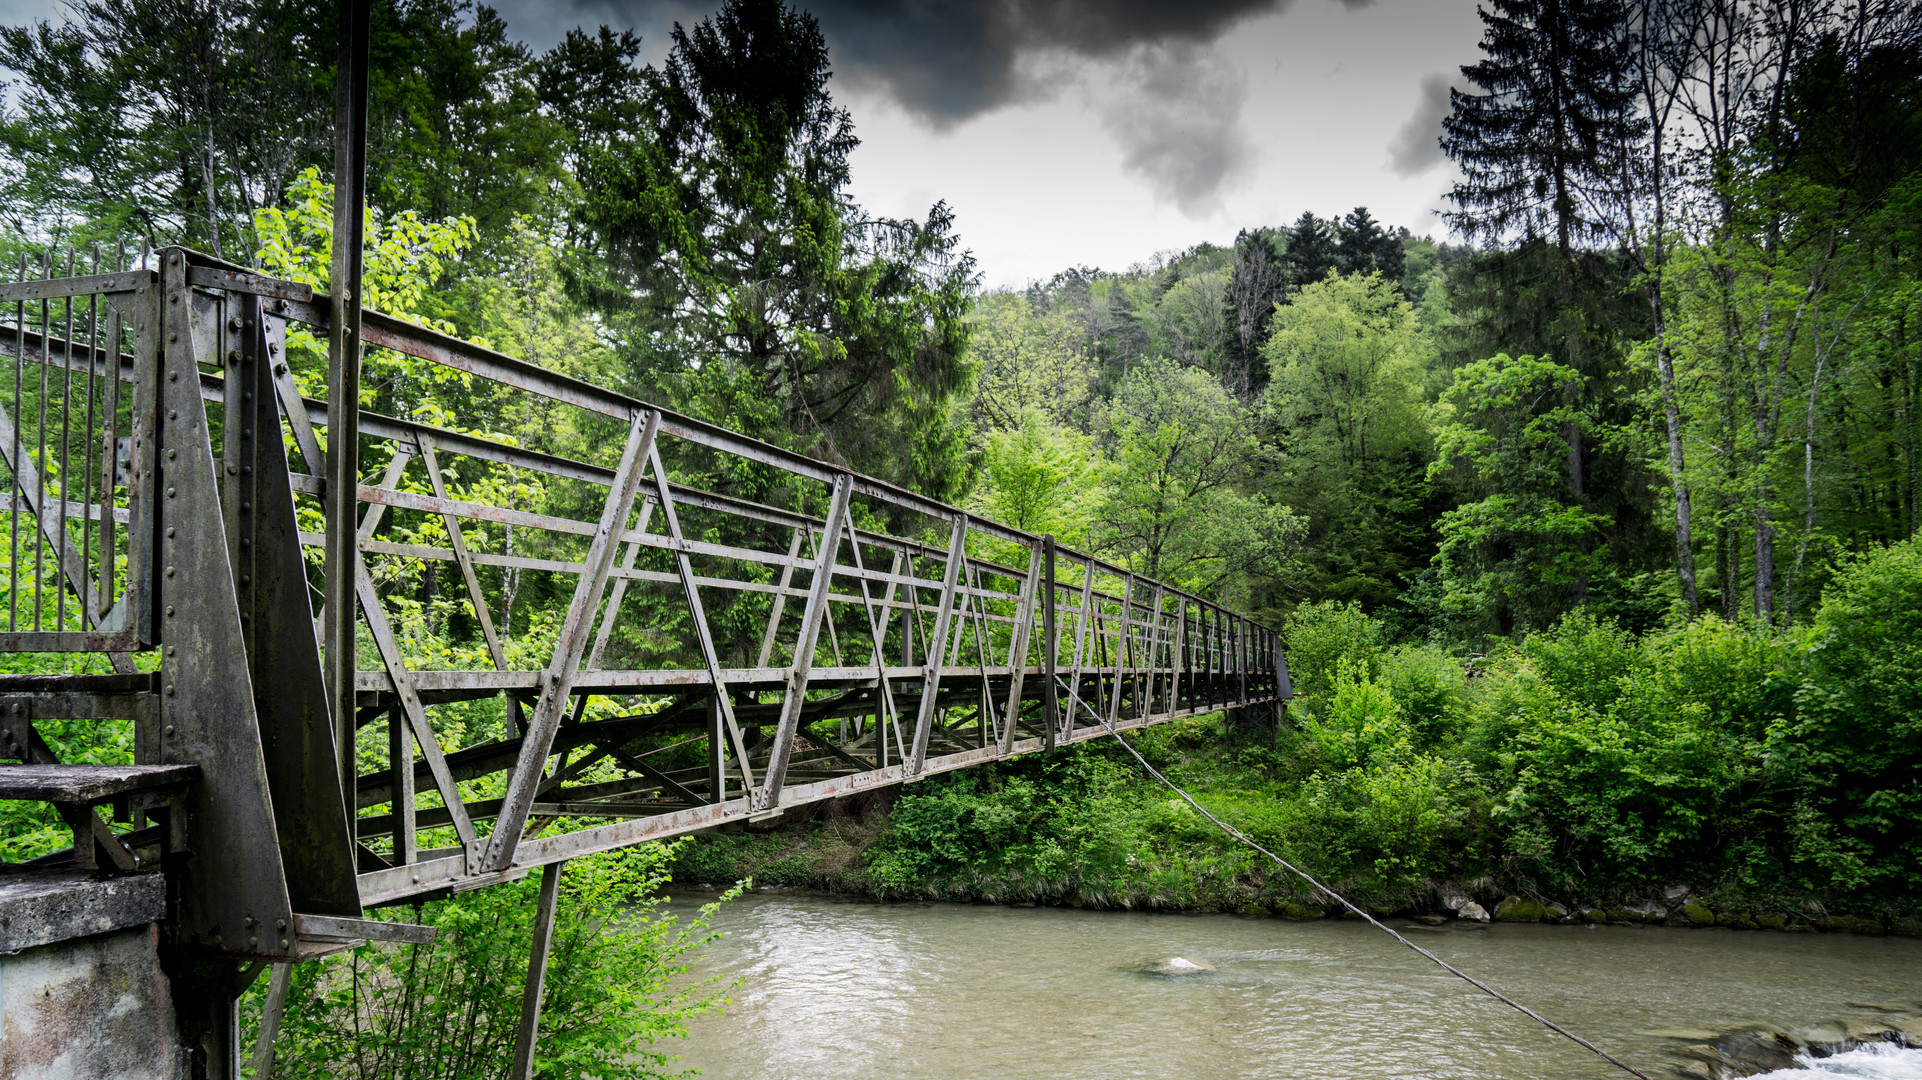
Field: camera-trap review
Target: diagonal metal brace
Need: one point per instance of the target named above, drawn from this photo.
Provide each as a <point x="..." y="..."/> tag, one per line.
<point x="558" y="686"/>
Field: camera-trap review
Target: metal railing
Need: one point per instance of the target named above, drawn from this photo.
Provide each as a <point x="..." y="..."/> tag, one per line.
<point x="74" y="572"/>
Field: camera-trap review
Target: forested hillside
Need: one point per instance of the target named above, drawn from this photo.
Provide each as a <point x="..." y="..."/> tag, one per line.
<point x="1592" y="514"/>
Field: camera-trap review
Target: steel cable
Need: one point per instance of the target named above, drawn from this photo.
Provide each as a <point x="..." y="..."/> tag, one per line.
<point x="1343" y="901"/>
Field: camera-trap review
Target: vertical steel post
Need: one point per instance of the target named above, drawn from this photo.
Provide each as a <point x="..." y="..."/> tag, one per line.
<point x="1122" y="648"/>
<point x="716" y="748"/>
<point x="1241" y="656"/>
<point x="936" y="647"/>
<point x="343" y="376"/>
<point x="400" y="784"/>
<point x="270" y="1014"/>
<point x="1050" y="705"/>
<point x="1018" y="650"/>
<point x="536" y="973"/>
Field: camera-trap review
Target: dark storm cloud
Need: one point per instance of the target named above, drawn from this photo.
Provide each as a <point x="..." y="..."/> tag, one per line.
<point x="947" y="62"/>
<point x="1178" y="123"/>
<point x="943" y="60"/>
<point x="1174" y="110"/>
<point x="1417" y="146"/>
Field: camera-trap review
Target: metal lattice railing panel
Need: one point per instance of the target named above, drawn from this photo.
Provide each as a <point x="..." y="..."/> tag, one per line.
<point x="69" y="421"/>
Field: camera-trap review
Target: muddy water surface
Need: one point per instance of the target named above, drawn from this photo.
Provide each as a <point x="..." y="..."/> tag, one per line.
<point x="856" y="990"/>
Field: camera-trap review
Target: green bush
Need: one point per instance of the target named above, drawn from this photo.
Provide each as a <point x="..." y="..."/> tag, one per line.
<point x="1856" y="741"/>
<point x="1320" y="636"/>
<point x="1426" y="684"/>
<point x="615" y="986"/>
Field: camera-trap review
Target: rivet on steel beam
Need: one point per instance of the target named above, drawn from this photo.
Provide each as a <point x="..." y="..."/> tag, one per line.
<point x="173" y="337"/>
<point x="170" y="691"/>
<point x="253" y="942"/>
<point x="246" y="507"/>
<point x="280" y="924"/>
<point x="233" y="323"/>
<point x="170" y="453"/>
<point x="170" y="729"/>
<point x="283" y="943"/>
<point x="172" y="649"/>
<point x="170" y="571"/>
<point x="170" y="532"/>
<point x="233" y="356"/>
<point x="170" y="610"/>
<point x="170" y="493"/>
<point x="233" y="470"/>
<point x="173" y="414"/>
<point x="246" y="580"/>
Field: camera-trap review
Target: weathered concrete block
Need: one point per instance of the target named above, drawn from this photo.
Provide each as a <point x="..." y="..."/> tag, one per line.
<point x="48" y="906"/>
<point x="94" y="1007"/>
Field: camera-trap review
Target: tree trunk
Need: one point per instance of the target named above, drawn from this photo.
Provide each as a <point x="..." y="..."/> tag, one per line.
<point x="1677" y="476"/>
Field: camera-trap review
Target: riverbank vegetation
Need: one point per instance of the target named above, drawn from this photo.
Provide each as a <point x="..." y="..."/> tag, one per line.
<point x="616" y="988"/>
<point x="1584" y="764"/>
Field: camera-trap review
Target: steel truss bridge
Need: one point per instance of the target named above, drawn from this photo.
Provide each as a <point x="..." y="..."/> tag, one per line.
<point x="301" y="758"/>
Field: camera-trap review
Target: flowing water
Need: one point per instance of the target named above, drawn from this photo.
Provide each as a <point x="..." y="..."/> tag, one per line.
<point x="856" y="990"/>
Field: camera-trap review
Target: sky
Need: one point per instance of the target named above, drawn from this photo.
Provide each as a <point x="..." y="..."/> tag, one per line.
<point x="1099" y="133"/>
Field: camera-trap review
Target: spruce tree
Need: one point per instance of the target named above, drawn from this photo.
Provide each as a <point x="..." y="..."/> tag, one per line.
<point x="1552" y="114"/>
<point x="1367" y="248"/>
<point x="753" y="291"/>
<point x="1310" y="253"/>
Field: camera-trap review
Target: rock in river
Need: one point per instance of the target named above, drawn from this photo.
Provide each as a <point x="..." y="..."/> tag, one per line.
<point x="1179" y="965"/>
<point x="1473" y="912"/>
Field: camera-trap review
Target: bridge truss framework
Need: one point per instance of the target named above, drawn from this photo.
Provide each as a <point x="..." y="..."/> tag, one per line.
<point x="718" y="660"/>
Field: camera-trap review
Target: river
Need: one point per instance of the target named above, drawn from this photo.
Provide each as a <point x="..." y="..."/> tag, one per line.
<point x="854" y="990"/>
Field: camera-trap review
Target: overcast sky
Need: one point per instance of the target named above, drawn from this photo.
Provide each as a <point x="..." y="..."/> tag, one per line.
<point x="1099" y="132"/>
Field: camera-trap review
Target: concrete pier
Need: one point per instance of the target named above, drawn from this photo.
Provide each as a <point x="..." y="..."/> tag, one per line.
<point x="82" y="994"/>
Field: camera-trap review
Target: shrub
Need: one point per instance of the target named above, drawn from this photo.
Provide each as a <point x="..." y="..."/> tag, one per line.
<point x="1857" y="736"/>
<point x="448" y="1011"/>
<point x="1320" y="636"/>
<point x="1426" y="684"/>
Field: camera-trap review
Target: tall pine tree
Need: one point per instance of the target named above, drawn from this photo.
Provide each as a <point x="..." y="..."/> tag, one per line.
<point x="1552" y="113"/>
<point x="1551" y="117"/>
<point x="1310" y="253"/>
<point x="754" y="292"/>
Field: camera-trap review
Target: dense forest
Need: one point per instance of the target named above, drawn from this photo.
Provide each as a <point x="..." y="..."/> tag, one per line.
<point x="1592" y="522"/>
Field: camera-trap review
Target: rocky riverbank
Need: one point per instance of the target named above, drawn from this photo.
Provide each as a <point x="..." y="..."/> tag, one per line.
<point x="1755" y="1049"/>
<point x="834" y="852"/>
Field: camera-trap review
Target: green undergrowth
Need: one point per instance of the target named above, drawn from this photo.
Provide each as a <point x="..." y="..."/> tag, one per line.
<point x="1770" y="776"/>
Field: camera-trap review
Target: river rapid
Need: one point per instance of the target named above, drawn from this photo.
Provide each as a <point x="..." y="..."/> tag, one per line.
<point x="853" y="990"/>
